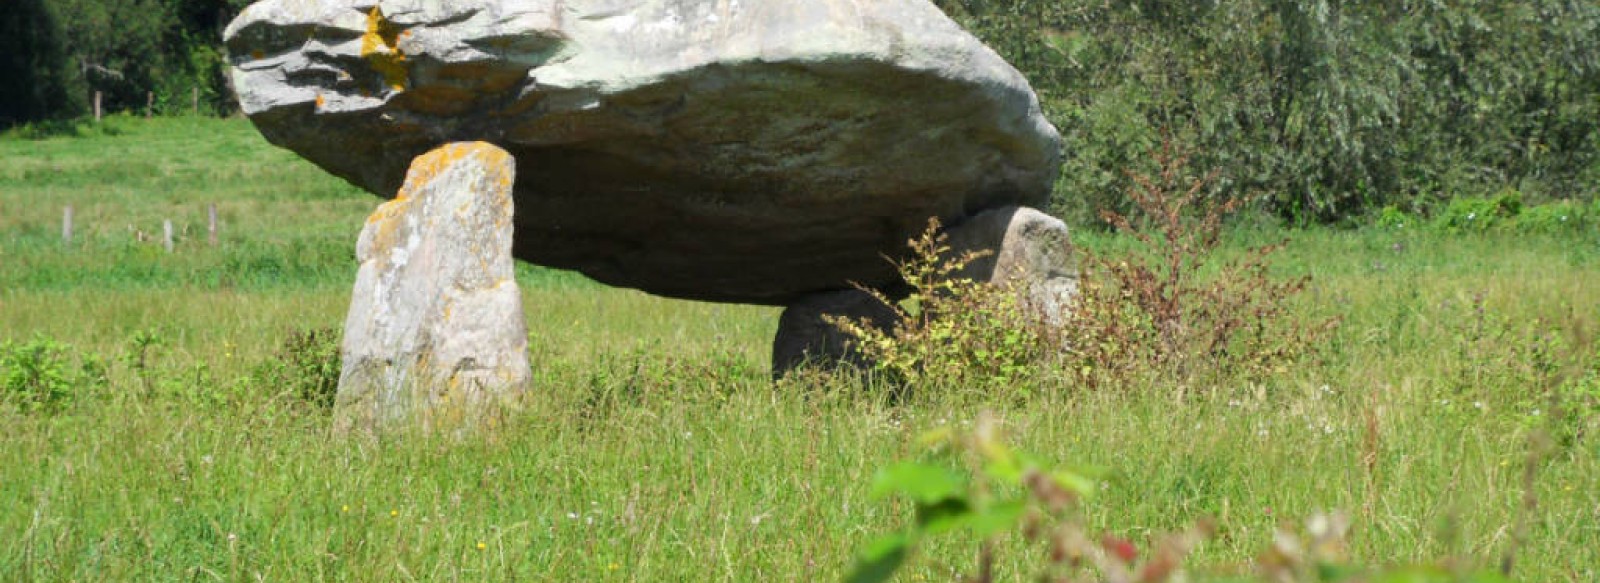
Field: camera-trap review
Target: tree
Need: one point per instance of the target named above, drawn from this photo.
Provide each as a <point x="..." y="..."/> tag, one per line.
<point x="33" y="63"/>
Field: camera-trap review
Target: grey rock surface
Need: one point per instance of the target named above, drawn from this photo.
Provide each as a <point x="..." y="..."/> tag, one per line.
<point x="1026" y="248"/>
<point x="806" y="337"/>
<point x="735" y="150"/>
<point x="435" y="330"/>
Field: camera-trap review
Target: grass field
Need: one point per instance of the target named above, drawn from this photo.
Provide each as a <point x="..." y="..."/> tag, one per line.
<point x="657" y="449"/>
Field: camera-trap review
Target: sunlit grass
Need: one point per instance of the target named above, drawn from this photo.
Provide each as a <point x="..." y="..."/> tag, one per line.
<point x="656" y="448"/>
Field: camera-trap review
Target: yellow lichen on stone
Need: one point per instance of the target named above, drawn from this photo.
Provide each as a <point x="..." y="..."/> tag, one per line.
<point x="428" y="166"/>
<point x="379" y="46"/>
<point x="384" y="231"/>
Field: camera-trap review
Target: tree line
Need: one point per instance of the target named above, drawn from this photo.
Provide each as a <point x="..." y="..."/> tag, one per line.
<point x="55" y="54"/>
<point x="1316" y="109"/>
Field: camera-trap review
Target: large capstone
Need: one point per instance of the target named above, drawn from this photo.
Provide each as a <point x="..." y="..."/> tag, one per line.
<point x="734" y="150"/>
<point x="435" y="331"/>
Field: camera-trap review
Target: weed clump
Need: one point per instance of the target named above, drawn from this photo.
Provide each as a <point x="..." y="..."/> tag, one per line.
<point x="1170" y="307"/>
<point x="37" y="376"/>
<point x="306" y="366"/>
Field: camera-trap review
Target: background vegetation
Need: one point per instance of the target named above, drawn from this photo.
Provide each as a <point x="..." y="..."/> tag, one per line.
<point x="1317" y="110"/>
<point x="163" y="418"/>
<point x="58" y="53"/>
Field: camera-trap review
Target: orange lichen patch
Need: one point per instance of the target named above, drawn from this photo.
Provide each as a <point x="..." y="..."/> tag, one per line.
<point x="321" y="101"/>
<point x="385" y="226"/>
<point x="427" y="167"/>
<point x="257" y="54"/>
<point x="379" y="46"/>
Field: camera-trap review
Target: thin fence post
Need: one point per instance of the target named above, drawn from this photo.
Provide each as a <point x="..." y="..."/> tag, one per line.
<point x="66" y="225"/>
<point x="194" y="100"/>
<point x="149" y="104"/>
<point x="97" y="107"/>
<point x="166" y="234"/>
<point x="211" y="224"/>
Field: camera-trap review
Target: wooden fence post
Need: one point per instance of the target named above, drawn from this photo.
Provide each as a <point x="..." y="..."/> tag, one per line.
<point x="194" y="100"/>
<point x="66" y="225"/>
<point x="149" y="104"/>
<point x="211" y="224"/>
<point x="166" y="234"/>
<point x="97" y="107"/>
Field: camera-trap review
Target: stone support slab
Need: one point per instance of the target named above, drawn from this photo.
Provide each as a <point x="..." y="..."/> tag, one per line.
<point x="435" y="333"/>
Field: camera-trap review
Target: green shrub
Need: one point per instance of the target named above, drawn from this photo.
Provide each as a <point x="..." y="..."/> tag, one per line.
<point x="1480" y="214"/>
<point x="306" y="367"/>
<point x="36" y="376"/>
<point x="1555" y="217"/>
<point x="950" y="330"/>
<point x="1392" y="217"/>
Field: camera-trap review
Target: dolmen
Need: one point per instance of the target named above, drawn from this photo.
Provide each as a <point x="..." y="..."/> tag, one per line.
<point x="775" y="152"/>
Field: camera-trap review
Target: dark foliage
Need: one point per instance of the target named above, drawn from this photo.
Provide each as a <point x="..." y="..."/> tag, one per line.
<point x="33" y="61"/>
<point x="1315" y="109"/>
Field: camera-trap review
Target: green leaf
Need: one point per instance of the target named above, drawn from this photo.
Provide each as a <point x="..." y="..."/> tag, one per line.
<point x="924" y="483"/>
<point x="943" y="516"/>
<point x="881" y="559"/>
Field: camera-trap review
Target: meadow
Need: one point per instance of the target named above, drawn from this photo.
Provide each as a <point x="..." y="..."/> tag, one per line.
<point x="1454" y="412"/>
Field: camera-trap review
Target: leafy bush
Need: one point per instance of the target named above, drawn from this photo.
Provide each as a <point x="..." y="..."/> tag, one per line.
<point x="1555" y="217"/>
<point x="952" y="330"/>
<point x="1480" y="214"/>
<point x="37" y="376"/>
<point x="306" y="366"/>
<point x="1504" y="212"/>
<point x="1392" y="217"/>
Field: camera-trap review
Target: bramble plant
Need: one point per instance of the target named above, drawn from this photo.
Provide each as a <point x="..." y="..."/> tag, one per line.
<point x="1172" y="309"/>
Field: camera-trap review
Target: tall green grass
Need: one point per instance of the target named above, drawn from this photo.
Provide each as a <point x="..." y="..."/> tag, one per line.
<point x="656" y="448"/>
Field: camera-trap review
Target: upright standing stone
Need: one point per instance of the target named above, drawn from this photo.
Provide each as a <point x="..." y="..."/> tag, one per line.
<point x="435" y="331"/>
<point x="1028" y="249"/>
<point x="805" y="336"/>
